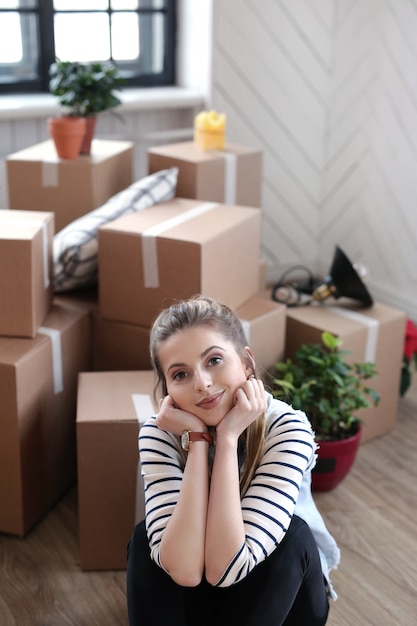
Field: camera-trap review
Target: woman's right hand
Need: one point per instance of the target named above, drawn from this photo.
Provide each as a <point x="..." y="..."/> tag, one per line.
<point x="174" y="420"/>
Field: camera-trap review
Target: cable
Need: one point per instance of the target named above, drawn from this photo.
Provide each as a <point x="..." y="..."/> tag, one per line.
<point x="295" y="293"/>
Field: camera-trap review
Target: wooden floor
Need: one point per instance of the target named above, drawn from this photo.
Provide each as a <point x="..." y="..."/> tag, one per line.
<point x="372" y="514"/>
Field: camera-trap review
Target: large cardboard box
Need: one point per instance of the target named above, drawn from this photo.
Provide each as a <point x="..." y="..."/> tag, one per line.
<point x="69" y="188"/>
<point x="38" y="391"/>
<point x="118" y="346"/>
<point x="175" y="250"/>
<point x="232" y="175"/>
<point x="25" y="271"/>
<point x="374" y="334"/>
<point x="110" y="408"/>
<point x="264" y="323"/>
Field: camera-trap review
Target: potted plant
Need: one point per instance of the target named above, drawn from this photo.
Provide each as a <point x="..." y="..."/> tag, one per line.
<point x="330" y="391"/>
<point x="85" y="89"/>
<point x="409" y="364"/>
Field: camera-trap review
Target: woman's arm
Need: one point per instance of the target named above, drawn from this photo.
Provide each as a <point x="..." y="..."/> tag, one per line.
<point x="268" y="505"/>
<point x="176" y="498"/>
<point x="225" y="526"/>
<point x="182" y="544"/>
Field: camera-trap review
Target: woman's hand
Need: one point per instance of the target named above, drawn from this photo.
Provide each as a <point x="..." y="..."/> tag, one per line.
<point x="249" y="404"/>
<point x="174" y="420"/>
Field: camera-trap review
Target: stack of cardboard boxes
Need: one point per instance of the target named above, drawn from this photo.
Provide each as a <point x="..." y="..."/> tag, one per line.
<point x="44" y="341"/>
<point x="42" y="348"/>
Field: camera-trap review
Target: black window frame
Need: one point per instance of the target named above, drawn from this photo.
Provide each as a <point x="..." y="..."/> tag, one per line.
<point x="44" y="13"/>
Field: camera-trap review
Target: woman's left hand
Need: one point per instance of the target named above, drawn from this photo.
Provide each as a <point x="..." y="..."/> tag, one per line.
<point x="249" y="404"/>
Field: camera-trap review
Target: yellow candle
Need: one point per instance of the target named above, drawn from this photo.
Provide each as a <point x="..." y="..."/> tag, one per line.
<point x="209" y="130"/>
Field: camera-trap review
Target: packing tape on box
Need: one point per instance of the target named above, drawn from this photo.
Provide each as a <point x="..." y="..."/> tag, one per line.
<point x="144" y="410"/>
<point x="26" y="223"/>
<point x="57" y="370"/>
<point x="149" y="239"/>
<point x="50" y="174"/>
<point x="45" y="255"/>
<point x="230" y="177"/>
<point x="143" y="406"/>
<point x="373" y="329"/>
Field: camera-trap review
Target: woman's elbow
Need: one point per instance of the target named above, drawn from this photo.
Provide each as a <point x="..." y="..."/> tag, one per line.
<point x="187" y="579"/>
<point x="213" y="576"/>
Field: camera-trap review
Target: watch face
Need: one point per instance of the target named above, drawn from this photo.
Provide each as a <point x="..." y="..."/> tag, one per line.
<point x="185" y="440"/>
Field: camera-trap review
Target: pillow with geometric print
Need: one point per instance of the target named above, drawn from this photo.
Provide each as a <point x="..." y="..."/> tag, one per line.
<point x="75" y="247"/>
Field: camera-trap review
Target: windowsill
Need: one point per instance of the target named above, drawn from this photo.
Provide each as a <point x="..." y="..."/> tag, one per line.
<point x="38" y="105"/>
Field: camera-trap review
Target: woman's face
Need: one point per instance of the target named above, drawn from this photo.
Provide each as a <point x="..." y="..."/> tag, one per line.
<point x="203" y="371"/>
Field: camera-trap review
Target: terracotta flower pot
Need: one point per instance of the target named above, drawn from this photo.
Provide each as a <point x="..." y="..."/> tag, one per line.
<point x="89" y="134"/>
<point x="67" y="134"/>
<point x="335" y="459"/>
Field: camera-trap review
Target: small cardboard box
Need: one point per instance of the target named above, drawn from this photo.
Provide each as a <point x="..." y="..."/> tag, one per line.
<point x="232" y="175"/>
<point x="175" y="250"/>
<point x="69" y="188"/>
<point x="25" y="271"/>
<point x="118" y="346"/>
<point x="374" y="334"/>
<point x="111" y="406"/>
<point x="38" y="391"/>
<point x="264" y="324"/>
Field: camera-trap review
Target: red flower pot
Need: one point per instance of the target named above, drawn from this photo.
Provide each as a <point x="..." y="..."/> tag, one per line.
<point x="335" y="459"/>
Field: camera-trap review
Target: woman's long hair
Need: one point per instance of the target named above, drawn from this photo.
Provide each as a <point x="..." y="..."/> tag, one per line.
<point x="199" y="311"/>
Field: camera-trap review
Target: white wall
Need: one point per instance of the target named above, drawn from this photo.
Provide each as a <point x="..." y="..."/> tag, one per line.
<point x="328" y="90"/>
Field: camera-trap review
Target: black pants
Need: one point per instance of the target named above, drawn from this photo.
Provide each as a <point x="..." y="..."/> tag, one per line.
<point x="286" y="589"/>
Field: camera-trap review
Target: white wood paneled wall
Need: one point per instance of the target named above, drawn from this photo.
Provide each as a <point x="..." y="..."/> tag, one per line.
<point x="328" y="90"/>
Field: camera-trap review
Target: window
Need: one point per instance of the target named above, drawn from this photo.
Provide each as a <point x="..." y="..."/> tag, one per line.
<point x="137" y="35"/>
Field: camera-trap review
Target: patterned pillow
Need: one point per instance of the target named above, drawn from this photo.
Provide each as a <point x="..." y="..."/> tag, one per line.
<point x="75" y="247"/>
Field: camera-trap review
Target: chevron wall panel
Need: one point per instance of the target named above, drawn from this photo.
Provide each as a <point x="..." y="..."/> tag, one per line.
<point x="328" y="90"/>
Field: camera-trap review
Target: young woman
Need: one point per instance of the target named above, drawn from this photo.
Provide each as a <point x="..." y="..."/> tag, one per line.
<point x="231" y="535"/>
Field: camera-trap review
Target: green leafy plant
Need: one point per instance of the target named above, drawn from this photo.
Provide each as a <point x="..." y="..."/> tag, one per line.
<point x="328" y="389"/>
<point x="85" y="88"/>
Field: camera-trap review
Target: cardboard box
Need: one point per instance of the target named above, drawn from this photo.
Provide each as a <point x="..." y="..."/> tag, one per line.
<point x="38" y="391"/>
<point x="232" y="176"/>
<point x="264" y="324"/>
<point x="25" y="271"/>
<point x="374" y="334"/>
<point x="85" y="299"/>
<point x="110" y="408"/>
<point x="175" y="250"/>
<point x="69" y="188"/>
<point x="118" y="346"/>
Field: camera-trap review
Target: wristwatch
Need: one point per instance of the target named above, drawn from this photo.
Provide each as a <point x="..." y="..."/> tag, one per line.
<point x="188" y="436"/>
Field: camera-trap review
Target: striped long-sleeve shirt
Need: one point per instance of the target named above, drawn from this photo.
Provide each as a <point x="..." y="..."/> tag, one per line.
<point x="269" y="503"/>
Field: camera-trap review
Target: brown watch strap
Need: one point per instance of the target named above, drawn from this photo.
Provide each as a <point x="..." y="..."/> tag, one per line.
<point x="195" y="436"/>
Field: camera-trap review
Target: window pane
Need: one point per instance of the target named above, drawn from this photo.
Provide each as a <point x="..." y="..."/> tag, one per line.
<point x="83" y="47"/>
<point x="124" y="5"/>
<point x="81" y="5"/>
<point x="17" y="4"/>
<point x="18" y="47"/>
<point x="11" y="49"/>
<point x="145" y="46"/>
<point x="156" y="24"/>
<point x="125" y="36"/>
